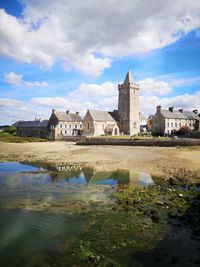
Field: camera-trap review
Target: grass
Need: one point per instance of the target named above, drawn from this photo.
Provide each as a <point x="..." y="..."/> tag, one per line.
<point x="13" y="138"/>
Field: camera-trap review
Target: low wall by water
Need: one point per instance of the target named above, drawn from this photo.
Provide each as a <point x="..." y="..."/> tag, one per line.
<point x="132" y="142"/>
<point x="70" y="138"/>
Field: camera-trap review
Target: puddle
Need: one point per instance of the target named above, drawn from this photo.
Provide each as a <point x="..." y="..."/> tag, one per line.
<point x="42" y="206"/>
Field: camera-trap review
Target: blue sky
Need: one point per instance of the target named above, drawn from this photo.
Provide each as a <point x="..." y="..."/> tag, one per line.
<point x="68" y="54"/>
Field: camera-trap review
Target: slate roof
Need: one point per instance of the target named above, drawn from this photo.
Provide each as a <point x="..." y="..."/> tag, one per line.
<point x="176" y="114"/>
<point x="100" y="115"/>
<point x="63" y="116"/>
<point x="33" y="123"/>
<point x="129" y="77"/>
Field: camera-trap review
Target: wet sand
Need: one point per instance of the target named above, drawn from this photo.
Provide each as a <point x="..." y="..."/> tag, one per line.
<point x="148" y="159"/>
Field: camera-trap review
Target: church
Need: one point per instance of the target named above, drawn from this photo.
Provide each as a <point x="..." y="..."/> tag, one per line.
<point x="124" y="121"/>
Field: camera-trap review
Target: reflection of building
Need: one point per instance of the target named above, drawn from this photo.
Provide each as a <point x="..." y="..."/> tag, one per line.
<point x="166" y="121"/>
<point x="88" y="175"/>
<point x="125" y="120"/>
<point x="63" y="124"/>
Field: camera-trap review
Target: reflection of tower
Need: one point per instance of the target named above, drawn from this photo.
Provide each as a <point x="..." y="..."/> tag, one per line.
<point x="128" y="106"/>
<point x="133" y="178"/>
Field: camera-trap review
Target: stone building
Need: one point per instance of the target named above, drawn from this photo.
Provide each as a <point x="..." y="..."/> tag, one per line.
<point x="98" y="122"/>
<point x="128" y="106"/>
<point x="64" y="124"/>
<point x="164" y="122"/>
<point x="36" y="128"/>
<point x="125" y="120"/>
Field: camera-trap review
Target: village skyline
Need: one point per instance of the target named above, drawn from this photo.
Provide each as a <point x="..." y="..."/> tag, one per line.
<point x="72" y="57"/>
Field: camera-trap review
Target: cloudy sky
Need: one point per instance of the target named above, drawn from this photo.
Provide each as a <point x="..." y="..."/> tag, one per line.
<point x="70" y="55"/>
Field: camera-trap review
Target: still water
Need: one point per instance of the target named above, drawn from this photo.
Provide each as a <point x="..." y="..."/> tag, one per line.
<point x="40" y="206"/>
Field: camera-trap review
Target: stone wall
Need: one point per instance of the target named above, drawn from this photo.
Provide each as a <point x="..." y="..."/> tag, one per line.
<point x="132" y="142"/>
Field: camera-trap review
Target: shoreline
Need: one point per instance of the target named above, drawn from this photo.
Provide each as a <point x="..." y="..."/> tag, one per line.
<point x="136" y="158"/>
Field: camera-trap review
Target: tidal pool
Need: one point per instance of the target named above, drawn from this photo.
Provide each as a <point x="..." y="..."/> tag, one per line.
<point x="41" y="207"/>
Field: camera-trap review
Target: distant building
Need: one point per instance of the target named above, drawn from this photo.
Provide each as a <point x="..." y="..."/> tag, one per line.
<point x="149" y="123"/>
<point x="99" y="122"/>
<point x="125" y="120"/>
<point x="164" y="122"/>
<point x="64" y="124"/>
<point x="36" y="128"/>
<point x="143" y="123"/>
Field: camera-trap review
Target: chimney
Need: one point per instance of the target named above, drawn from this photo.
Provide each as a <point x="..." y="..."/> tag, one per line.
<point x="53" y="110"/>
<point x="181" y="110"/>
<point x="77" y="112"/>
<point x="195" y="111"/>
<point x="171" y="109"/>
<point x="67" y="111"/>
<point x="158" y="108"/>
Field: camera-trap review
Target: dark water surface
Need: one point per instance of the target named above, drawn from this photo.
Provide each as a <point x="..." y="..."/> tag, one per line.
<point x="41" y="207"/>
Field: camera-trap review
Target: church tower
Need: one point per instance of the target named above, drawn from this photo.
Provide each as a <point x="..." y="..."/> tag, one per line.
<point x="128" y="106"/>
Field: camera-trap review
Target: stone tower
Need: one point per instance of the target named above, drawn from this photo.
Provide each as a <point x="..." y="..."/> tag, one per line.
<point x="128" y="106"/>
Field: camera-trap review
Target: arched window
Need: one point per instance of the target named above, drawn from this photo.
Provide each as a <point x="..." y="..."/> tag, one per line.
<point x="116" y="131"/>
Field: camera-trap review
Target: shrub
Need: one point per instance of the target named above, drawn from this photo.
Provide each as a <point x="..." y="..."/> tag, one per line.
<point x="10" y="130"/>
<point x="183" y="130"/>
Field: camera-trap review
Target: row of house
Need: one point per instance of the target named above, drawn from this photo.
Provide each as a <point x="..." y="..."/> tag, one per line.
<point x="126" y="120"/>
<point x="165" y="122"/>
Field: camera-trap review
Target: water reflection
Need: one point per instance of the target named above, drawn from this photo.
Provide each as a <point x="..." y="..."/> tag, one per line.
<point x="91" y="175"/>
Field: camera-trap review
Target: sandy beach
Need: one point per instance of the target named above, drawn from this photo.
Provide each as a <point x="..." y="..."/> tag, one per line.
<point x="148" y="159"/>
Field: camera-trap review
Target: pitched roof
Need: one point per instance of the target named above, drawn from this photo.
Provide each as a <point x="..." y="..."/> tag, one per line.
<point x="33" y="123"/>
<point x="173" y="115"/>
<point x="176" y="114"/>
<point x="129" y="77"/>
<point x="100" y="115"/>
<point x="64" y="116"/>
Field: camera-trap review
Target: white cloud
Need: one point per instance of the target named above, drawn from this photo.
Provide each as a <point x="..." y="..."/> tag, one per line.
<point x="187" y="101"/>
<point x="185" y="81"/>
<point x="13" y="78"/>
<point x="87" y="35"/>
<point x="149" y="86"/>
<point x="95" y="90"/>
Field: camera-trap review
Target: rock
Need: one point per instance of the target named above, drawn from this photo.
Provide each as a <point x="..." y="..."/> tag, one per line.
<point x="172" y="181"/>
<point x="159" y="203"/>
<point x="174" y="260"/>
<point x="154" y="216"/>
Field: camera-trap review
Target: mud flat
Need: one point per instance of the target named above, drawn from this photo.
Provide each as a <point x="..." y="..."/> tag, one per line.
<point x="149" y="159"/>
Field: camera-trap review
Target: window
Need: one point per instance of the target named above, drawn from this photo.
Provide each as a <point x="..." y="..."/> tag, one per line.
<point x="179" y="124"/>
<point x="75" y="126"/>
<point x="172" y="124"/>
<point x="168" y="124"/>
<point x="190" y="124"/>
<point x="70" y="126"/>
<point x="175" y="124"/>
<point x="88" y="126"/>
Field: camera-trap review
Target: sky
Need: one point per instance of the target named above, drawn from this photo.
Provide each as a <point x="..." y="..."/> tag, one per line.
<point x="71" y="55"/>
